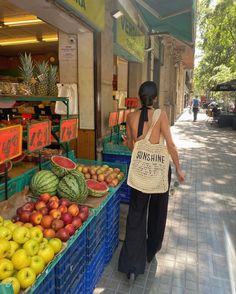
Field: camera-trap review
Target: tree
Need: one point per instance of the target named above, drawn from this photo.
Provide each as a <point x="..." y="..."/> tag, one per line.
<point x="218" y="42"/>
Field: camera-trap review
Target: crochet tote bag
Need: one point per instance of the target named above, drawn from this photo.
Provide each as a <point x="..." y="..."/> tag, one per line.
<point x="148" y="171"/>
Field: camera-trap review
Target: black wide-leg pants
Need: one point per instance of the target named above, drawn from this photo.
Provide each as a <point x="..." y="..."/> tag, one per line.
<point x="144" y="235"/>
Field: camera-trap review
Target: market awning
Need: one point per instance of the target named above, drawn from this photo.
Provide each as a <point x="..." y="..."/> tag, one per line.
<point x="227" y="86"/>
<point x="172" y="17"/>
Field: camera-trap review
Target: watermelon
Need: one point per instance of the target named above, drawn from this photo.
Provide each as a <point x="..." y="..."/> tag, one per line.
<point x="73" y="187"/>
<point x="44" y="181"/>
<point x="96" y="189"/>
<point x="61" y="165"/>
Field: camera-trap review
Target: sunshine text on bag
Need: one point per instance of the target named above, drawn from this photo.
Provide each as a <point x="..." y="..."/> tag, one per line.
<point x="150" y="157"/>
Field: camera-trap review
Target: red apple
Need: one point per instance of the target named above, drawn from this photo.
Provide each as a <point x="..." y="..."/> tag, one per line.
<point x="57" y="224"/>
<point x="39" y="204"/>
<point x="44" y="210"/>
<point x="83" y="216"/>
<point x="84" y="209"/>
<point x="19" y="210"/>
<point x="62" y="208"/>
<point x="67" y="218"/>
<point x="55" y="213"/>
<point x="54" y="198"/>
<point x="49" y="233"/>
<point x="73" y="209"/>
<point x="25" y="216"/>
<point x="36" y="217"/>
<point x="70" y="229"/>
<point x="46" y="221"/>
<point x="63" y="235"/>
<point x="28" y="206"/>
<point x="64" y="201"/>
<point x="45" y="197"/>
<point x="77" y="222"/>
<point x="53" y="204"/>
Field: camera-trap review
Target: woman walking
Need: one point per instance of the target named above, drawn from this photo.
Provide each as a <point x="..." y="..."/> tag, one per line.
<point x="144" y="235"/>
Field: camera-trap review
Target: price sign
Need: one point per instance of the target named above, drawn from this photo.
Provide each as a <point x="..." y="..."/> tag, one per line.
<point x="10" y="142"/>
<point x="113" y="119"/>
<point x="68" y="129"/>
<point x="39" y="135"/>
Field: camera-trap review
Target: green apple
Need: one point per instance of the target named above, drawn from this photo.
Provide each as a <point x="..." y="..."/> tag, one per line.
<point x="4" y="247"/>
<point x="11" y="226"/>
<point x="36" y="233"/>
<point x="1" y="220"/>
<point x="32" y="247"/>
<point x="20" y="259"/>
<point x="56" y="244"/>
<point x="44" y="241"/>
<point x="21" y="235"/>
<point x="46" y="252"/>
<point x="26" y="276"/>
<point x="13" y="247"/>
<point x="5" y="233"/>
<point x="7" y="222"/>
<point x="6" y="268"/>
<point x="15" y="284"/>
<point x="37" y="264"/>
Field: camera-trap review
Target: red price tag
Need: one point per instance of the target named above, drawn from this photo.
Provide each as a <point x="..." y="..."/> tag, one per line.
<point x="39" y="135"/>
<point x="68" y="129"/>
<point x="10" y="142"/>
<point x="113" y="119"/>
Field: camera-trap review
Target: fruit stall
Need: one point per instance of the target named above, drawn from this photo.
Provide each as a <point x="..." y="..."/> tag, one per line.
<point x="59" y="223"/>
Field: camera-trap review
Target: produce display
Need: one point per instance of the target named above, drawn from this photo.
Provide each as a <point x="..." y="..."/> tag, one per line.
<point x="61" y="166"/>
<point x="54" y="217"/>
<point x="105" y="173"/>
<point x="24" y="253"/>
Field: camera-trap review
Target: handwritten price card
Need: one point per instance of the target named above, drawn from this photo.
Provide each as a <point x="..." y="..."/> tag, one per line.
<point x="68" y="129"/>
<point x="39" y="135"/>
<point x="113" y="119"/>
<point x="10" y="142"/>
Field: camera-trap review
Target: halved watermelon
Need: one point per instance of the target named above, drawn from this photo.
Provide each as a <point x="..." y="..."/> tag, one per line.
<point x="61" y="165"/>
<point x="96" y="189"/>
<point x="2" y="167"/>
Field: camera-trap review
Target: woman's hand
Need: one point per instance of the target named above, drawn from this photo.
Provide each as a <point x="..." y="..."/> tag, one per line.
<point x="180" y="175"/>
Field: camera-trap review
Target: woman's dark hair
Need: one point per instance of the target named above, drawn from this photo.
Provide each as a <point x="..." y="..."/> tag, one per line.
<point x="147" y="93"/>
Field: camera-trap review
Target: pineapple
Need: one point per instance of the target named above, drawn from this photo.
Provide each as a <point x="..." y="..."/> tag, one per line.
<point x="52" y="79"/>
<point x="26" y="70"/>
<point x="42" y="75"/>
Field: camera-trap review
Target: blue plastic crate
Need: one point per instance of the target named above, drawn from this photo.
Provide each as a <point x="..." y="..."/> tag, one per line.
<point x="95" y="233"/>
<point x="72" y="265"/>
<point x="46" y="286"/>
<point x="118" y="158"/>
<point x="124" y="192"/>
<point x="94" y="270"/>
<point x="78" y="287"/>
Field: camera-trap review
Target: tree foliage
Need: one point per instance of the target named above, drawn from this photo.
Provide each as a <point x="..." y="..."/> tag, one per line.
<point x="217" y="28"/>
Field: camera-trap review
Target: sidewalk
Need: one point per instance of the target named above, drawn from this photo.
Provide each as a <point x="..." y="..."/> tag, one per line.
<point x="198" y="253"/>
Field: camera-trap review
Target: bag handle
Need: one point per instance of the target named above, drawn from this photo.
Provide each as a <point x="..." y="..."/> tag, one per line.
<point x="155" y="118"/>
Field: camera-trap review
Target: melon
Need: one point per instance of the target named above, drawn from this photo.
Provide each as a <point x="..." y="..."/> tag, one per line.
<point x="61" y="165"/>
<point x="44" y="181"/>
<point x="73" y="187"/>
<point x="96" y="189"/>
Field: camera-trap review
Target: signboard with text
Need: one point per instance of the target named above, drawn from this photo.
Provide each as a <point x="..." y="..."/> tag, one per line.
<point x="39" y="135"/>
<point x="68" y="129"/>
<point x="10" y="142"/>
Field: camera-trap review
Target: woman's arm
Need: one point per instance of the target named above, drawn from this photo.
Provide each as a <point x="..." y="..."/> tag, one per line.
<point x="165" y="130"/>
<point x="130" y="141"/>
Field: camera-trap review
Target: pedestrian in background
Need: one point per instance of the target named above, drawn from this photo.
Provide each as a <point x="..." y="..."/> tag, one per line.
<point x="195" y="107"/>
<point x="144" y="235"/>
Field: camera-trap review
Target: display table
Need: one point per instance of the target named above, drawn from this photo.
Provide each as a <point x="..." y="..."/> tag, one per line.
<point x="79" y="266"/>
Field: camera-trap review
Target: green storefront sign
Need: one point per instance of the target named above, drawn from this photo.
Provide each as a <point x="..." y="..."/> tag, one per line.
<point x="129" y="40"/>
<point x="91" y="11"/>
